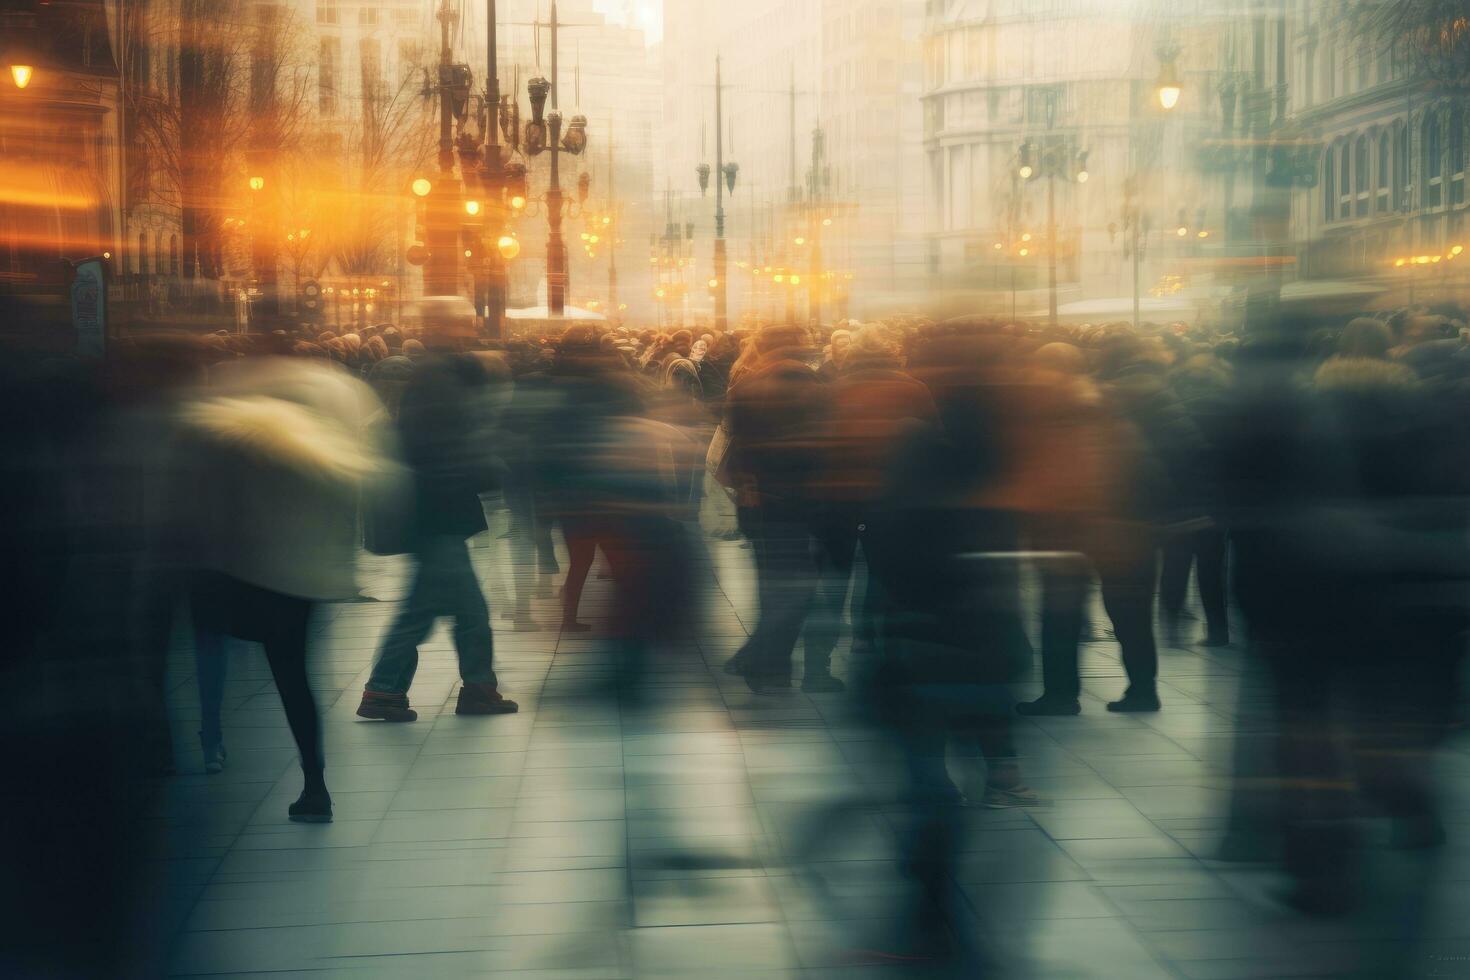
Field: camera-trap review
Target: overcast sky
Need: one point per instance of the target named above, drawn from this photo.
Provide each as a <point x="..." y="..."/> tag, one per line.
<point x="647" y="14"/>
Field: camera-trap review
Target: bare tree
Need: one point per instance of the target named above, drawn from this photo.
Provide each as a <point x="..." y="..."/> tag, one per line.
<point x="390" y="141"/>
<point x="1436" y="34"/>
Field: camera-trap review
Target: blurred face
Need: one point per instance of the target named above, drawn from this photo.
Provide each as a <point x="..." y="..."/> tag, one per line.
<point x="698" y="350"/>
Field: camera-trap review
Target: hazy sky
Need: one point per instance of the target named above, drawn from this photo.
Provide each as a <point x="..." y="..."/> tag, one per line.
<point x="647" y="14"/>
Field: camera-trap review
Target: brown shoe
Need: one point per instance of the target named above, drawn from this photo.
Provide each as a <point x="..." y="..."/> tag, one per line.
<point x="483" y="699"/>
<point x="386" y="707"/>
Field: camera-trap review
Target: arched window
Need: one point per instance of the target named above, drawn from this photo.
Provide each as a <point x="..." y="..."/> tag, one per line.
<point x="1403" y="186"/>
<point x="158" y="265"/>
<point x="1360" y="177"/>
<point x="1456" y="143"/>
<point x="173" y="255"/>
<point x="1329" y="184"/>
<point x="1433" y="157"/>
<point x="1380" y="185"/>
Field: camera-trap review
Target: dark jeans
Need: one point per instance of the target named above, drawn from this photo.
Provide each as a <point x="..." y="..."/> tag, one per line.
<point x="225" y="606"/>
<point x="582" y="540"/>
<point x="444" y="584"/>
<point x="835" y="540"/>
<point x="785" y="582"/>
<point x="1123" y="555"/>
<point x="211" y="664"/>
<point x="1205" y="550"/>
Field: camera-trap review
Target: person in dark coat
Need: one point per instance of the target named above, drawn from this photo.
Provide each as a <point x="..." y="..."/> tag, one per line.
<point x="1202" y="386"/>
<point x="775" y="413"/>
<point x="871" y="399"/>
<point x="439" y="425"/>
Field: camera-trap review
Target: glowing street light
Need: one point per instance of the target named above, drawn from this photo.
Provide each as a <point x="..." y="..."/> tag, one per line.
<point x="257" y="183"/>
<point x="472" y="207"/>
<point x="509" y="246"/>
<point x="1168" y="86"/>
<point x="421" y="187"/>
<point x="518" y="202"/>
<point x="22" y="74"/>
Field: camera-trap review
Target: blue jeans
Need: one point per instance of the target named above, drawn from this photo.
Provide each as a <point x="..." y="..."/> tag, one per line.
<point x="211" y="662"/>
<point x="444" y="584"/>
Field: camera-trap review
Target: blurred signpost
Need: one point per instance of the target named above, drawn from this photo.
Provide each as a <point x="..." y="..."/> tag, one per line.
<point x="87" y="292"/>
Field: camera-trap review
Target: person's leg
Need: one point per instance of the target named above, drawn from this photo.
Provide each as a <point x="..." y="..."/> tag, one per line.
<point x="1178" y="556"/>
<point x="1064" y="583"/>
<point x="835" y="543"/>
<point x="540" y="525"/>
<point x="1210" y="550"/>
<point x="285" y="650"/>
<point x="786" y="594"/>
<point x="582" y="550"/>
<point x="1127" y="571"/>
<point x="522" y="553"/>
<point x="210" y="664"/>
<point x="398" y="657"/>
<point x="1316" y="796"/>
<point x="474" y="642"/>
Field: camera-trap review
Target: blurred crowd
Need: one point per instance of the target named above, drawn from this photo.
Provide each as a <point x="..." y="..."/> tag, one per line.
<point x="928" y="508"/>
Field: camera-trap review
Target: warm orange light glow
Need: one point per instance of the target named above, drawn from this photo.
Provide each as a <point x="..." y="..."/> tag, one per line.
<point x="518" y="202"/>
<point x="421" y="187"/>
<point x="714" y="284"/>
<point x="509" y="247"/>
<point x="471" y="207"/>
<point x="796" y="280"/>
<point x="22" y="74"/>
<point x="257" y="183"/>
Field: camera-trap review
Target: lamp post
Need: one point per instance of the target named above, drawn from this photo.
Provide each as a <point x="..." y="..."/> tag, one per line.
<point x="1059" y="158"/>
<point x="441" y="273"/>
<point x="725" y="174"/>
<point x="492" y="181"/>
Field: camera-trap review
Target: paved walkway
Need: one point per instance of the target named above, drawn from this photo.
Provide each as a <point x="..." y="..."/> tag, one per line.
<point x="552" y="843"/>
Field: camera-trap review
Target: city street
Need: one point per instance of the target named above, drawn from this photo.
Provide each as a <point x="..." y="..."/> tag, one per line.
<point x="581" y="838"/>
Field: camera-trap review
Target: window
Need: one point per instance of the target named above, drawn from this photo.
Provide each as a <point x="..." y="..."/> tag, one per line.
<point x="405" y="17"/>
<point x="142" y="254"/>
<point x="1329" y="185"/>
<point x="326" y="75"/>
<point x="1360" y="177"/>
<point x="1402" y="186"/>
<point x="1344" y="182"/>
<point x="1433" y="155"/>
<point x="1457" y="155"/>
<point x="1309" y="73"/>
<point x="327" y="13"/>
<point x="173" y="255"/>
<point x="1380" y="203"/>
<point x="367" y="16"/>
<point x="371" y="57"/>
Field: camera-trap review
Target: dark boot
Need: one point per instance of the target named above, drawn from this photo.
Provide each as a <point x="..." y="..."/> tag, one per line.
<point x="483" y="699"/>
<point x="386" y="707"/>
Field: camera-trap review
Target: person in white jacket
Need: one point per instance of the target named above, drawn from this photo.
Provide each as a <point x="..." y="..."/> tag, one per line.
<point x="268" y="470"/>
